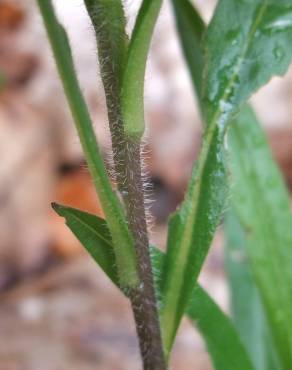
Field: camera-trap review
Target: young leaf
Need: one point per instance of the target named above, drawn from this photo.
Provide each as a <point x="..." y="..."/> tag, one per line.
<point x="226" y="350"/>
<point x="262" y="204"/>
<point x="134" y="74"/>
<point x="247" y="311"/>
<point x="122" y="241"/>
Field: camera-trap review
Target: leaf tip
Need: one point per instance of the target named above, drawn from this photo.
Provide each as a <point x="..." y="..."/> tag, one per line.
<point x="57" y="208"/>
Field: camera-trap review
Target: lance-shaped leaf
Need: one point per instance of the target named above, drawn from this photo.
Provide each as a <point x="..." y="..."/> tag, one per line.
<point x="236" y="50"/>
<point x="192" y="228"/>
<point x="225" y="348"/>
<point x="262" y="205"/>
<point x="93" y="233"/>
<point x="223" y="343"/>
<point x="134" y="73"/>
<point x="246" y="306"/>
<point x="122" y="241"/>
<point x="191" y="231"/>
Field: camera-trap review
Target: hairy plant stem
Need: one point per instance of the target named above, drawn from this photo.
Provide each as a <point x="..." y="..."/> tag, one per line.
<point x="134" y="266"/>
<point x="144" y="303"/>
<point x="127" y="162"/>
<point x="108" y="20"/>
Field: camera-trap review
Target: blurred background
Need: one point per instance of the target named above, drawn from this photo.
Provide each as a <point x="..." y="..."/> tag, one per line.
<point x="57" y="309"/>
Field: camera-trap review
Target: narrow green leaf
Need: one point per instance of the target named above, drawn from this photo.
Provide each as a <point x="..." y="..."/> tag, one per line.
<point x="191" y="230"/>
<point x="94" y="235"/>
<point x="262" y="204"/>
<point x="247" y="311"/>
<point x="236" y="49"/>
<point x="245" y="302"/>
<point x="134" y="74"/>
<point x="123" y="244"/>
<point x="223" y="344"/>
<point x="191" y="28"/>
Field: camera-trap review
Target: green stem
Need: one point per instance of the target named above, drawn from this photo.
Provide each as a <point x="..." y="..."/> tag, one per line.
<point x="134" y="74"/>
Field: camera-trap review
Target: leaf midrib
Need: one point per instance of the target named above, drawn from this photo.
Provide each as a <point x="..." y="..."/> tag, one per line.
<point x="184" y="253"/>
<point x="91" y="229"/>
<point x="218" y="113"/>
